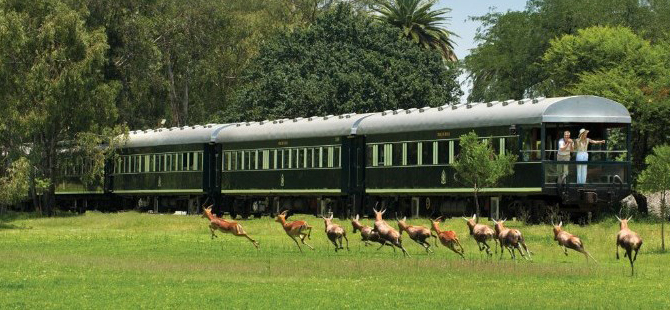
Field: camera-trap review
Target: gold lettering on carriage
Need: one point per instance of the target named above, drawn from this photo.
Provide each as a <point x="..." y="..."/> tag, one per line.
<point x="282" y="143"/>
<point x="281" y="180"/>
<point x="443" y="134"/>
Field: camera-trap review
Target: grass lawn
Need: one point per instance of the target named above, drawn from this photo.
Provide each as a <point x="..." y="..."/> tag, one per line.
<point x="131" y="260"/>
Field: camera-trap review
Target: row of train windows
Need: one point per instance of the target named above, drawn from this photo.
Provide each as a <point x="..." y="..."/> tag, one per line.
<point x="286" y="158"/>
<point x="427" y="152"/>
<point x="186" y="161"/>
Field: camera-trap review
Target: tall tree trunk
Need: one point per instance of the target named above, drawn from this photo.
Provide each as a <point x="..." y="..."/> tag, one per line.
<point x="174" y="100"/>
<point x="663" y="218"/>
<point x="184" y="104"/>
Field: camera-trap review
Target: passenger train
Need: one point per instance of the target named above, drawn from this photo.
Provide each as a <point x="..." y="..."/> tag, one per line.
<point x="347" y="163"/>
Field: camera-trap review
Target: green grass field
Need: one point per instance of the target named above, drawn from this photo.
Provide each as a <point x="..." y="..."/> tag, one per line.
<point x="132" y="260"/>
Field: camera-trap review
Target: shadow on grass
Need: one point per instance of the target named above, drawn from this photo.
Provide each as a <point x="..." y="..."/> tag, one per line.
<point x="12" y="226"/>
<point x="10" y="216"/>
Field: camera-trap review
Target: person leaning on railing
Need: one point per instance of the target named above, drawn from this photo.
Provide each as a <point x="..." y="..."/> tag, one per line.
<point x="581" y="146"/>
<point x="565" y="146"/>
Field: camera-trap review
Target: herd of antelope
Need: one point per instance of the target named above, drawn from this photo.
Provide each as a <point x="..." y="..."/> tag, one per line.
<point x="386" y="235"/>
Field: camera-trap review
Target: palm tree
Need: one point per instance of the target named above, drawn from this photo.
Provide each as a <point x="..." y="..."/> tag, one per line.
<point x="419" y="23"/>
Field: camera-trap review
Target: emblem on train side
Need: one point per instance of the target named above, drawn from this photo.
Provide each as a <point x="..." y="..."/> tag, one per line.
<point x="159" y="181"/>
<point x="281" y="180"/>
<point x="443" y="179"/>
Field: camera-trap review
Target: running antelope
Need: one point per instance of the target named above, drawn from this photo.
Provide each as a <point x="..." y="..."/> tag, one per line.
<point x="417" y="233"/>
<point x="386" y="232"/>
<point x="570" y="241"/>
<point x="368" y="234"/>
<point x="629" y="241"/>
<point x="448" y="238"/>
<point x="216" y="223"/>
<point x="510" y="238"/>
<point x="482" y="233"/>
<point x="335" y="232"/>
<point x="295" y="229"/>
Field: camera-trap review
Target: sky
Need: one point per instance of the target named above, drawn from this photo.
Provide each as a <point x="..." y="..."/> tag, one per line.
<point x="466" y="29"/>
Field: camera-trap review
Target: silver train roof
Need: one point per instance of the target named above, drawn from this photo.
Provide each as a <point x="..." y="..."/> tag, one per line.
<point x="174" y="135"/>
<point x="575" y="109"/>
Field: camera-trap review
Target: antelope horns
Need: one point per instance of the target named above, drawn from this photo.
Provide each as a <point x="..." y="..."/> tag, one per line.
<point x="618" y="218"/>
<point x="465" y="218"/>
<point x="560" y="224"/>
<point x="630" y="217"/>
<point x="357" y="217"/>
<point x="284" y="212"/>
<point x="331" y="216"/>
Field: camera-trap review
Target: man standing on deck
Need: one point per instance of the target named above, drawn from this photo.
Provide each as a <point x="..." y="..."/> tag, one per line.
<point x="565" y="146"/>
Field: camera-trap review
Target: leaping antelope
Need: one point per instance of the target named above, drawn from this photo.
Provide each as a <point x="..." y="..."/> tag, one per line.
<point x="387" y="232"/>
<point x="570" y="241"/>
<point x="335" y="232"/>
<point x="512" y="239"/>
<point x="482" y="233"/>
<point x="417" y="233"/>
<point x="216" y="223"/>
<point x="295" y="229"/>
<point x="629" y="240"/>
<point x="448" y="238"/>
<point x="368" y="234"/>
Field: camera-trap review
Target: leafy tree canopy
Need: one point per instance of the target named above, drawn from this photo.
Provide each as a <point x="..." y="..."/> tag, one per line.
<point x="505" y="64"/>
<point x="345" y="62"/>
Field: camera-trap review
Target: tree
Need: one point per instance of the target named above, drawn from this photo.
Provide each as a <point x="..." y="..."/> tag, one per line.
<point x="419" y="24"/>
<point x="506" y="62"/>
<point x="52" y="84"/>
<point x="656" y="179"/>
<point x="14" y="185"/>
<point x="479" y="167"/>
<point x="615" y="63"/>
<point x="345" y="62"/>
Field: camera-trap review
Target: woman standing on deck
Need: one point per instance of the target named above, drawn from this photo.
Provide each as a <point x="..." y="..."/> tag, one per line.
<point x="581" y="147"/>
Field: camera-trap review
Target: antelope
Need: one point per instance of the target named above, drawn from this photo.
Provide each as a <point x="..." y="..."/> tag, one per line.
<point x="629" y="240"/>
<point x="368" y="234"/>
<point x="417" y="233"/>
<point x="335" y="232"/>
<point x="386" y="232"/>
<point x="295" y="229"/>
<point x="510" y="238"/>
<point x="448" y="238"/>
<point x="570" y="241"/>
<point x="481" y="233"/>
<point x="216" y="223"/>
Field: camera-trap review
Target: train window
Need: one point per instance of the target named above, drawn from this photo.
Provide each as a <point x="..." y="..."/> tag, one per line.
<point x="404" y="154"/>
<point x="272" y="159"/>
<point x="330" y="156"/>
<point x="511" y="145"/>
<point x="168" y="162"/>
<point x="199" y="161"/>
<point x="426" y="153"/>
<point x="315" y="158"/>
<point x="443" y="152"/>
<point x="323" y="157"/>
<point x="309" y="158"/>
<point x="297" y="158"/>
<point x="451" y="152"/>
<point x="253" y="160"/>
<point x="435" y="154"/>
<point x="397" y="151"/>
<point x="175" y="164"/>
<point x="194" y="161"/>
<point x="305" y="156"/>
<point x="411" y="153"/>
<point x="380" y="154"/>
<point x="186" y="161"/>
<point x="338" y="156"/>
<point x="233" y="161"/>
